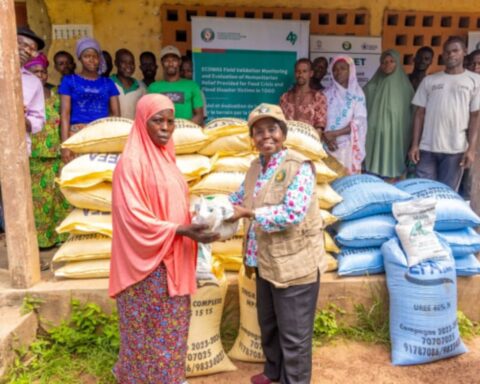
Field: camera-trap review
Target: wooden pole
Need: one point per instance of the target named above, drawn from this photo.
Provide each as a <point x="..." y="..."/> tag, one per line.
<point x="22" y="247"/>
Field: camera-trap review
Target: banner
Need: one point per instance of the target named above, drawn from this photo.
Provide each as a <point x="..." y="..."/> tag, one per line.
<point x="473" y="41"/>
<point x="240" y="63"/>
<point x="365" y="52"/>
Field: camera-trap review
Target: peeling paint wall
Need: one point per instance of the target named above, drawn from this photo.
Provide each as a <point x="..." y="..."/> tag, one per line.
<point x="137" y="24"/>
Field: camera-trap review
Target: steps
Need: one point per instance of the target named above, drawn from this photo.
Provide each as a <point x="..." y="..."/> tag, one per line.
<point x="16" y="331"/>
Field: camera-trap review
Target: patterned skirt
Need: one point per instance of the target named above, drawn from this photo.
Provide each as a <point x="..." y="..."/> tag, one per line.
<point x="49" y="205"/>
<point x="153" y="333"/>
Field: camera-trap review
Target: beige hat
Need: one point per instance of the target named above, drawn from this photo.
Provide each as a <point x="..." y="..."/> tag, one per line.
<point x="170" y="50"/>
<point x="266" y="110"/>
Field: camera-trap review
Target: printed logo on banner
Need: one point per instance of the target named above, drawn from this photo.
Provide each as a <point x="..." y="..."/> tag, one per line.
<point x="292" y="38"/>
<point x="207" y="35"/>
<point x="369" y="47"/>
<point x="347" y="46"/>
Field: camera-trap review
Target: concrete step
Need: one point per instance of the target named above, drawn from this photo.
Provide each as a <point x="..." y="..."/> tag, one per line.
<point x="16" y="331"/>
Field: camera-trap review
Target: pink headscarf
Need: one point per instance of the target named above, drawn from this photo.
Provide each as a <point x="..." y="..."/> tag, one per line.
<point x="150" y="201"/>
<point x="40" y="59"/>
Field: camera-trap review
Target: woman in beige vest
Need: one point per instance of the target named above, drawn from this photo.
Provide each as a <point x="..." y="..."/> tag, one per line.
<point x="283" y="246"/>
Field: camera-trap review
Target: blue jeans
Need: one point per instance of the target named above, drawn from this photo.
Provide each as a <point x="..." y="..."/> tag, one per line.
<point x="442" y="167"/>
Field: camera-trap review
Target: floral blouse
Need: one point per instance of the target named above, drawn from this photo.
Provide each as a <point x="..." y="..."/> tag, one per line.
<point x="276" y="218"/>
<point x="46" y="143"/>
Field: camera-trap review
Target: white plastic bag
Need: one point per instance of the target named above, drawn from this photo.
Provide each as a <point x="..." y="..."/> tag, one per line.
<point x="416" y="219"/>
<point x="214" y="212"/>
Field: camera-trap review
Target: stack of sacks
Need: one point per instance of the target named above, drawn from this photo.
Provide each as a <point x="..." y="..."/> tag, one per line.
<point x="366" y="222"/>
<point x="189" y="138"/>
<point x="304" y="139"/>
<point x="228" y="145"/>
<point x="86" y="183"/>
<point x="454" y="222"/>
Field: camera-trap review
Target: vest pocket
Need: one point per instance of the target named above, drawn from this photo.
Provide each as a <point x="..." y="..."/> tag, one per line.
<point x="291" y="259"/>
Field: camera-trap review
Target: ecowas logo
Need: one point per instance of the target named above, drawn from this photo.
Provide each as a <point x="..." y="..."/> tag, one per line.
<point x="347" y="46"/>
<point x="207" y="35"/>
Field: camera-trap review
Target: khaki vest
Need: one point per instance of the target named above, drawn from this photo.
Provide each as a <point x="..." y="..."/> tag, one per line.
<point x="293" y="256"/>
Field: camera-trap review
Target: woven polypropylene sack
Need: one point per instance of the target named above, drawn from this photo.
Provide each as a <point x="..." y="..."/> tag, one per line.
<point x="234" y="145"/>
<point x="88" y="269"/>
<point x="188" y="137"/>
<point x="88" y="170"/>
<point x="467" y="265"/>
<point x="233" y="163"/>
<point x="337" y="167"/>
<point x="193" y="166"/>
<point x="103" y="135"/>
<point x="327" y="197"/>
<point x="324" y="173"/>
<point x="423" y="308"/>
<point x="451" y="210"/>
<point x="218" y="183"/>
<point x="84" y="247"/>
<point x="98" y="197"/>
<point x="85" y="221"/>
<point x="229" y="253"/>
<point x="248" y="344"/>
<point x="462" y="241"/>
<point x="330" y="245"/>
<point x="327" y="218"/>
<point x="205" y="354"/>
<point x="332" y="263"/>
<point x="365" y="195"/>
<point x="371" y="231"/>
<point x="225" y="126"/>
<point x="305" y="139"/>
<point x="360" y="261"/>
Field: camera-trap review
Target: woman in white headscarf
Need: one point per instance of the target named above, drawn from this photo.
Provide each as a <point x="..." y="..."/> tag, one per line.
<point x="346" y="128"/>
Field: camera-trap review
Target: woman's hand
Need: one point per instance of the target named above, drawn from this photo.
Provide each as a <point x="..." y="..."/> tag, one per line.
<point x="330" y="138"/>
<point x="67" y="155"/>
<point x="198" y="233"/>
<point x="240" y="213"/>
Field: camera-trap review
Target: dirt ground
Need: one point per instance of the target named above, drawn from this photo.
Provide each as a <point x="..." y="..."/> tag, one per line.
<point x="350" y="362"/>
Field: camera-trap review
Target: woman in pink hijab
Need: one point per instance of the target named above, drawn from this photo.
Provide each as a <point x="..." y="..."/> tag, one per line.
<point x="153" y="250"/>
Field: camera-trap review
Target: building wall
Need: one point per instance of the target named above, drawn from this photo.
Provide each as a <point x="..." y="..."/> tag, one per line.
<point x="136" y="24"/>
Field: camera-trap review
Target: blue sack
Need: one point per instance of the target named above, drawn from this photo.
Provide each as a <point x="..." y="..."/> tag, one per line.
<point x="423" y="308"/>
<point x="360" y="261"/>
<point x="467" y="266"/>
<point x="462" y="242"/>
<point x="365" y="195"/>
<point x="371" y="231"/>
<point x="451" y="210"/>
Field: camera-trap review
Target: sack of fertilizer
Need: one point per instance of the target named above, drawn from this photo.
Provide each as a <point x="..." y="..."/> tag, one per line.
<point x="452" y="211"/>
<point x="463" y="242"/>
<point x="467" y="265"/>
<point x="416" y="219"/>
<point x="365" y="195"/>
<point x="371" y="231"/>
<point x="423" y="307"/>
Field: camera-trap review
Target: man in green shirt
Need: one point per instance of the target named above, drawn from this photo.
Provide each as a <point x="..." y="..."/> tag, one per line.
<point x="185" y="94"/>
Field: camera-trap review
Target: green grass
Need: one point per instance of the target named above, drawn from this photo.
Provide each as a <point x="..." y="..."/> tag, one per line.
<point x="80" y="350"/>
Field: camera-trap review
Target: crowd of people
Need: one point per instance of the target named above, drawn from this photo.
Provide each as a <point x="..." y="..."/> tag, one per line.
<point x="395" y="123"/>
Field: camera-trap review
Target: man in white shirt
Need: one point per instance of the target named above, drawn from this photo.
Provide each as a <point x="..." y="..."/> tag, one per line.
<point x="446" y="120"/>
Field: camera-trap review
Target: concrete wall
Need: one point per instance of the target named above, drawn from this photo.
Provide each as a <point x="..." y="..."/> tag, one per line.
<point x="137" y="24"/>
